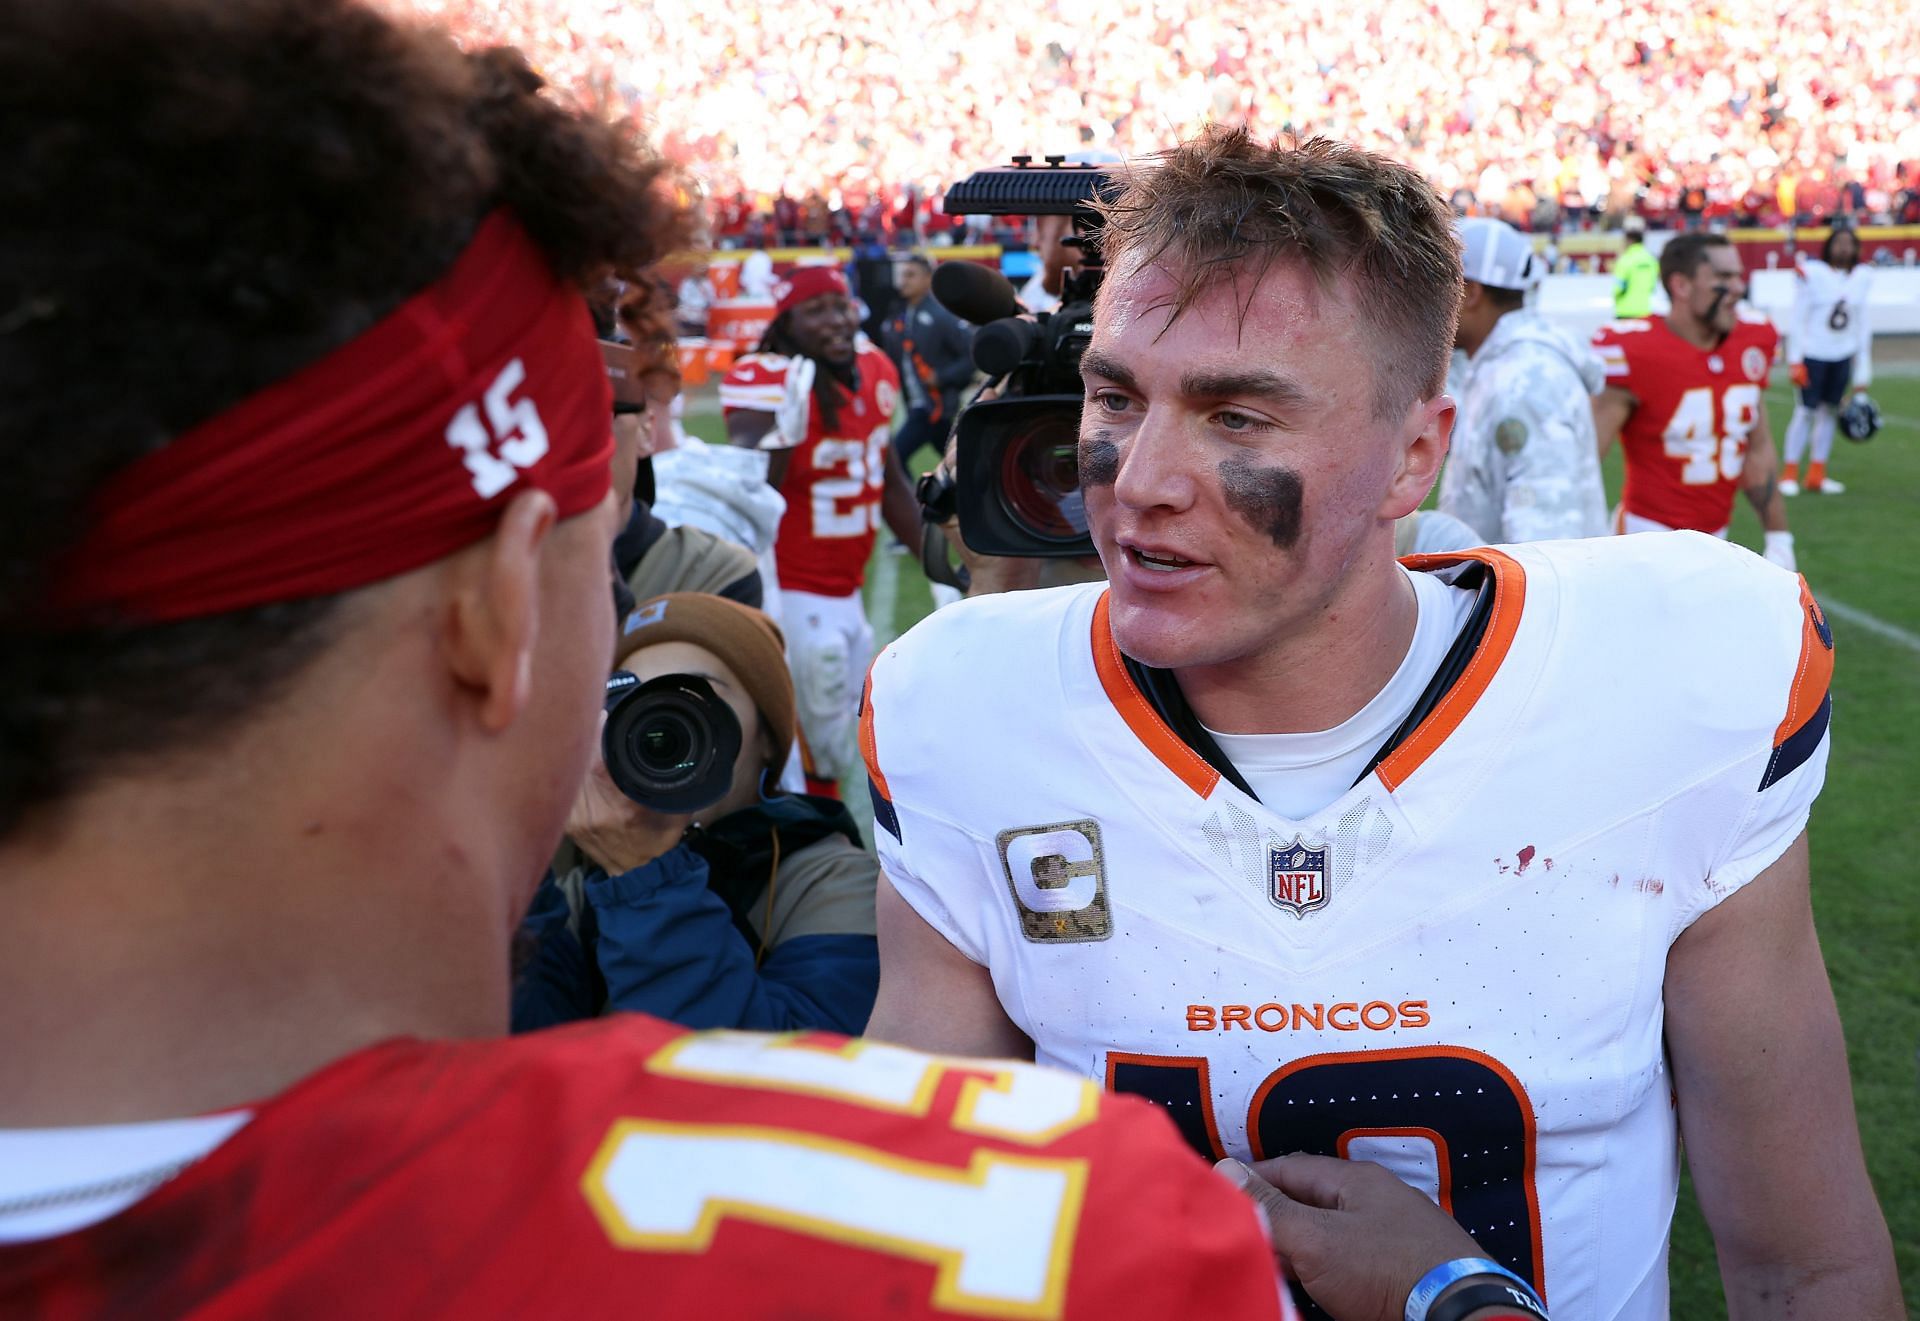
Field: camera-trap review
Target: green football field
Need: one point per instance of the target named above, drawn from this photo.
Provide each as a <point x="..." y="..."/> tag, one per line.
<point x="1861" y="553"/>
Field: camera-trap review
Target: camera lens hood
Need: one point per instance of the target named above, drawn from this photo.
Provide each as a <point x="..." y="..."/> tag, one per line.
<point x="669" y="743"/>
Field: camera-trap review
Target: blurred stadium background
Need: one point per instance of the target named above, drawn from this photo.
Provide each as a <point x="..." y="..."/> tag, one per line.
<point x="824" y="131"/>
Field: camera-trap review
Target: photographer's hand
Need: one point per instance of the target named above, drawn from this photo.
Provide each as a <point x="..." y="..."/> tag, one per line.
<point x="616" y="833"/>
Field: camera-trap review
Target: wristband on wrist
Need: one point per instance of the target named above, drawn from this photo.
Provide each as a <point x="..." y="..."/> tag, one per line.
<point x="1435" y="1282"/>
<point x="1512" y="1302"/>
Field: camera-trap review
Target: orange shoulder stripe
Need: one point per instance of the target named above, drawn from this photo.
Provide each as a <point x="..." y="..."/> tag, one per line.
<point x="1141" y="718"/>
<point x="869" y="751"/>
<point x="1813" y="675"/>
<point x="1509" y="596"/>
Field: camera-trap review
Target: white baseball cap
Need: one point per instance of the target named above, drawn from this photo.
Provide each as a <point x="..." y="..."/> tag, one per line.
<point x="1498" y="255"/>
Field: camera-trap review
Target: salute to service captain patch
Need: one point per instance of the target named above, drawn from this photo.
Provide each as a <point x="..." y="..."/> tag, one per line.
<point x="1058" y="879"/>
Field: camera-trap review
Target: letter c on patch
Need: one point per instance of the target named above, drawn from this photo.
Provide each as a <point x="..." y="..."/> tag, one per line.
<point x="1063" y="857"/>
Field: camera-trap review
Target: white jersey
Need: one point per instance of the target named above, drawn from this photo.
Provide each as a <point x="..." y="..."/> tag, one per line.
<point x="1830" y="317"/>
<point x="1456" y="967"/>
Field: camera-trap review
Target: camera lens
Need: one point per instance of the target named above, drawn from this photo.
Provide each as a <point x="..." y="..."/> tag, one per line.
<point x="665" y="744"/>
<point x="1040" y="479"/>
<point x="670" y="742"/>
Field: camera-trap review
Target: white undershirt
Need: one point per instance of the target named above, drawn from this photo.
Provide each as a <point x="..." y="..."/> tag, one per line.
<point x="1298" y="774"/>
<point x="76" y="1177"/>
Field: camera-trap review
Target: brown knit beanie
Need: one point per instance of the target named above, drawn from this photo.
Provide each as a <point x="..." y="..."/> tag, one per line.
<point x="745" y="639"/>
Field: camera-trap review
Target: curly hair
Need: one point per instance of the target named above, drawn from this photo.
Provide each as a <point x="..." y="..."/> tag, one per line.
<point x="1224" y="206"/>
<point x="645" y="313"/>
<point x="201" y="197"/>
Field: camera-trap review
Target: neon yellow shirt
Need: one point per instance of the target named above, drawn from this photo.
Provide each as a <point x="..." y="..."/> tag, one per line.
<point x="1635" y="276"/>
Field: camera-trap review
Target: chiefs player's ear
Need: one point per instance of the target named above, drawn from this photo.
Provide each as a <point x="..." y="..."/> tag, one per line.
<point x="493" y="612"/>
<point x="1425" y="434"/>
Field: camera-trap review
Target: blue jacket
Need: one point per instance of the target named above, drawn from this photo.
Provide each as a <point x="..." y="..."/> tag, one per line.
<point x="682" y="941"/>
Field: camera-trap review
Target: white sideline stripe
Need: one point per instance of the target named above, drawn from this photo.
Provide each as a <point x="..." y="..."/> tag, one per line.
<point x="1872" y="623"/>
<point x="1897" y="419"/>
<point x="886" y="596"/>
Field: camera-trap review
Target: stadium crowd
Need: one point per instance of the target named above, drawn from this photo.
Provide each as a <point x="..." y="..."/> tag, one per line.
<point x="817" y="120"/>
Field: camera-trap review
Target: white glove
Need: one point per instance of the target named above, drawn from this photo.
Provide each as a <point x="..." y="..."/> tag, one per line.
<point x="796" y="406"/>
<point x="1780" y="550"/>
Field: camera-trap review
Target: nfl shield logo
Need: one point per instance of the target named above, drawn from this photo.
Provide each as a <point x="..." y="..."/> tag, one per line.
<point x="1297" y="877"/>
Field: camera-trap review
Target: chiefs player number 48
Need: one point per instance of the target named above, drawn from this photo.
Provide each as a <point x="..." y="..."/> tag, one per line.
<point x="1707" y="433"/>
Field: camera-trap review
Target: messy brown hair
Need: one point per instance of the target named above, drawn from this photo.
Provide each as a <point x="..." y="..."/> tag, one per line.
<point x="201" y="197"/>
<point x="645" y="313"/>
<point x="1224" y="207"/>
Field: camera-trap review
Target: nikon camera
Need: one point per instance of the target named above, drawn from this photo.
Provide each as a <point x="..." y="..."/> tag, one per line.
<point x="669" y="743"/>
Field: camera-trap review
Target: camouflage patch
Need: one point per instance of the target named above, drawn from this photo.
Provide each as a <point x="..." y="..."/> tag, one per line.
<point x="1510" y="435"/>
<point x="1057" y="876"/>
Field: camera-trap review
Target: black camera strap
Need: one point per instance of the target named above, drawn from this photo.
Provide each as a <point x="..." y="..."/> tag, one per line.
<point x="1162" y="689"/>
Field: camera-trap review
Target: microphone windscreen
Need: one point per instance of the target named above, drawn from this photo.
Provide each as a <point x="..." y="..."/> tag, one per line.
<point x="974" y="292"/>
<point x="1003" y="344"/>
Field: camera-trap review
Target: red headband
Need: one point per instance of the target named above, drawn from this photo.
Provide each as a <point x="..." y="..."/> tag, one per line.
<point x="810" y="282"/>
<point x="395" y="450"/>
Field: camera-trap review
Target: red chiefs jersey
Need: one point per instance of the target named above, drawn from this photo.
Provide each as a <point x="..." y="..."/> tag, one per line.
<point x="1686" y="439"/>
<point x="834" y="478"/>
<point x="631" y="1168"/>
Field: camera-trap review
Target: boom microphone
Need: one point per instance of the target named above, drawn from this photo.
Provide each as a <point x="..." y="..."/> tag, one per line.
<point x="974" y="292"/>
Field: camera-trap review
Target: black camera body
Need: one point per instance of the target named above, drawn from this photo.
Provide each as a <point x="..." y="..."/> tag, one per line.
<point x="669" y="743"/>
<point x="1016" y="485"/>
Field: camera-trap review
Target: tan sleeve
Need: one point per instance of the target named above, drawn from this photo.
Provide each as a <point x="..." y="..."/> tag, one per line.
<point x="690" y="559"/>
<point x="825" y="889"/>
<point x="570" y="874"/>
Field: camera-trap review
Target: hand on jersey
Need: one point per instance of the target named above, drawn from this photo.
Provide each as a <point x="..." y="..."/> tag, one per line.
<point x="796" y="402"/>
<point x="1354" y="1236"/>
<point x="616" y="833"/>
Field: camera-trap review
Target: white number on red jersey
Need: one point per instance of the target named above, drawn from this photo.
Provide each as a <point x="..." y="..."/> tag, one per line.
<point x="1707" y="435"/>
<point x="848" y="505"/>
<point x="1000" y="1230"/>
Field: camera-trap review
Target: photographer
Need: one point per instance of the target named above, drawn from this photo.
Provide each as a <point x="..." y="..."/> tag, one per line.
<point x="753" y="912"/>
